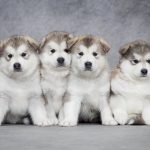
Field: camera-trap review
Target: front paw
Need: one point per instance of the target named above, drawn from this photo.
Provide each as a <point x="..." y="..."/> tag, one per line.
<point x="146" y="118"/>
<point x="53" y="121"/>
<point x="67" y="123"/>
<point x="109" y="121"/>
<point x="121" y="117"/>
<point x="42" y="122"/>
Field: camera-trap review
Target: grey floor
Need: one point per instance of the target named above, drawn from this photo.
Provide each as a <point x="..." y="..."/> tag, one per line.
<point x="84" y="137"/>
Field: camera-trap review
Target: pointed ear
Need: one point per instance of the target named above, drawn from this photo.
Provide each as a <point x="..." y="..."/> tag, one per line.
<point x="105" y="46"/>
<point x="72" y="42"/>
<point x="33" y="43"/>
<point x="124" y="49"/>
<point x="43" y="42"/>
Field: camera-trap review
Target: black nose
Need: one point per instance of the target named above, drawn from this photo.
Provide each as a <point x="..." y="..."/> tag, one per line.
<point x="17" y="66"/>
<point x="60" y="60"/>
<point x="88" y="65"/>
<point x="144" y="71"/>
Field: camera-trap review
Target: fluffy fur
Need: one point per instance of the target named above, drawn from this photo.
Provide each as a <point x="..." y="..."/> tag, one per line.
<point x="130" y="82"/>
<point x="20" y="92"/>
<point x="89" y="85"/>
<point x="55" y="64"/>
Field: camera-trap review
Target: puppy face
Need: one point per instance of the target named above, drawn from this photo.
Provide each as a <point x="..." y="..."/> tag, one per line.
<point x="54" y="51"/>
<point x="88" y="57"/>
<point x="135" y="59"/>
<point x="18" y="56"/>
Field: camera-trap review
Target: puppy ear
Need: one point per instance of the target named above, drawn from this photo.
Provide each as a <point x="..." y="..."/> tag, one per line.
<point x="124" y="49"/>
<point x="72" y="42"/>
<point x="33" y="43"/>
<point x="43" y="42"/>
<point x="105" y="46"/>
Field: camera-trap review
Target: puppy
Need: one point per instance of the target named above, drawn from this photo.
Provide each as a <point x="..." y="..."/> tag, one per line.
<point x="88" y="85"/>
<point x="20" y="92"/>
<point x="55" y="64"/>
<point x="130" y="82"/>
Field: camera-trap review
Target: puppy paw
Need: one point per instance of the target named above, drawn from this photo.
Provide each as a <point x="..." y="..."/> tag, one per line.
<point x="42" y="122"/>
<point x="53" y="121"/>
<point x="121" y="117"/>
<point x="146" y="116"/>
<point x="109" y="121"/>
<point x="67" y="123"/>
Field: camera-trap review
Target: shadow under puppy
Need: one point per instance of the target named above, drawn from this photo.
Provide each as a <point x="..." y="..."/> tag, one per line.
<point x="130" y="84"/>
<point x="55" y="67"/>
<point x="89" y="84"/>
<point x="20" y="91"/>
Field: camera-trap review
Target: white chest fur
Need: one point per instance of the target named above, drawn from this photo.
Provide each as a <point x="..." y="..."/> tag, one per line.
<point x="89" y="90"/>
<point x="18" y="93"/>
<point x="135" y="94"/>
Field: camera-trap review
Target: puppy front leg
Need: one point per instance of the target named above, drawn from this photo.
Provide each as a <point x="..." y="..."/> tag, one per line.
<point x="38" y="113"/>
<point x="118" y="107"/>
<point x="3" y="109"/>
<point x="146" y="114"/>
<point x="51" y="113"/>
<point x="106" y="115"/>
<point x="70" y="110"/>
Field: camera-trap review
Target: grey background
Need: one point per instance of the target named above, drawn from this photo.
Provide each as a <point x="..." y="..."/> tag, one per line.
<point x="118" y="21"/>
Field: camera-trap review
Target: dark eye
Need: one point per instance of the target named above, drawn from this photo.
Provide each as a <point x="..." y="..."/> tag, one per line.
<point x="135" y="61"/>
<point x="148" y="60"/>
<point x="95" y="54"/>
<point x="53" y="51"/>
<point x="10" y="55"/>
<point x="67" y="51"/>
<point x="24" y="54"/>
<point x="81" y="53"/>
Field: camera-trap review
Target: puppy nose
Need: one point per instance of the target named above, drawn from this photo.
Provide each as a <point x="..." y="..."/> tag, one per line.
<point x="17" y="66"/>
<point x="60" y="60"/>
<point x="88" y="64"/>
<point x="144" y="71"/>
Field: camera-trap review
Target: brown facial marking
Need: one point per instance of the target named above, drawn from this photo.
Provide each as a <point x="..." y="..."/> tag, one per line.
<point x="56" y="36"/>
<point x="138" y="46"/>
<point x="89" y="40"/>
<point x="16" y="41"/>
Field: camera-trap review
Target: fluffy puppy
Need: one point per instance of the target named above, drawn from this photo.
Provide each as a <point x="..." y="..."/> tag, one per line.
<point x="20" y="92"/>
<point x="130" y="82"/>
<point x="55" y="64"/>
<point x="89" y="84"/>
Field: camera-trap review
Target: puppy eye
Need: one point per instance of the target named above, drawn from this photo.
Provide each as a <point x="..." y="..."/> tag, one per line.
<point x="53" y="51"/>
<point x="95" y="54"/>
<point x="67" y="51"/>
<point x="135" y="61"/>
<point x="10" y="55"/>
<point x="81" y="53"/>
<point x="148" y="60"/>
<point x="24" y="54"/>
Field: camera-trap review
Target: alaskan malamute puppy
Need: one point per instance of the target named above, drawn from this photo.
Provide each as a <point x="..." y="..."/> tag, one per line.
<point x="55" y="64"/>
<point x="130" y="84"/>
<point x="89" y="84"/>
<point x="20" y="92"/>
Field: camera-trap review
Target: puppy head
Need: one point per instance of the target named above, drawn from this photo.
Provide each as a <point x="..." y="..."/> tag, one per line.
<point x="135" y="59"/>
<point x="18" y="56"/>
<point x="54" y="51"/>
<point x="88" y="55"/>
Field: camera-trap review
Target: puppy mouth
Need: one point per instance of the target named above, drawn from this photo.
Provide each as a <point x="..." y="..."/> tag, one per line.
<point x="88" y="69"/>
<point x="61" y="65"/>
<point x="143" y="76"/>
<point x="17" y="70"/>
